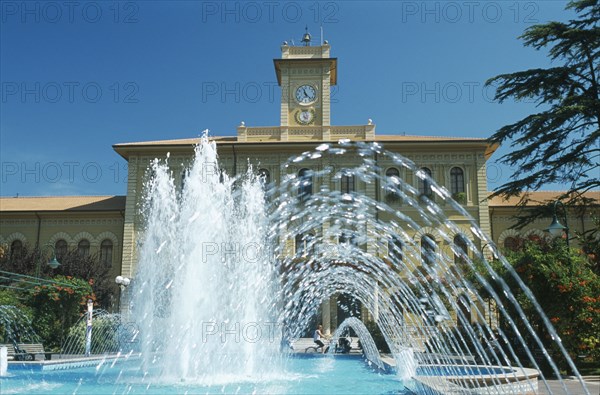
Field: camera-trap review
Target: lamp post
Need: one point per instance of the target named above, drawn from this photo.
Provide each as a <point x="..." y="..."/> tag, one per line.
<point x="494" y="256"/>
<point x="53" y="263"/>
<point x="88" y="328"/>
<point x="556" y="229"/>
<point x="123" y="282"/>
<point x="490" y="247"/>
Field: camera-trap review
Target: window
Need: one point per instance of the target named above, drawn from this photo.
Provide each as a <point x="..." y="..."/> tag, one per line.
<point x="395" y="247"/>
<point x="457" y="181"/>
<point x="348" y="239"/>
<point x="460" y="249"/>
<point x="304" y="244"/>
<point x="106" y="250"/>
<point x="83" y="248"/>
<point x="464" y="314"/>
<point x="511" y="243"/>
<point x="305" y="188"/>
<point x="347" y="183"/>
<point x="393" y="180"/>
<point x="16" y="250"/>
<point x="425" y="182"/>
<point x="184" y="175"/>
<point x="428" y="247"/>
<point x="264" y="176"/>
<point x="60" y="249"/>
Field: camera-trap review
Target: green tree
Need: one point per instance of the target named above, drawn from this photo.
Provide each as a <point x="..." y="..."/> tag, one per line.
<point x="57" y="307"/>
<point x="72" y="264"/>
<point x="567" y="290"/>
<point x="561" y="142"/>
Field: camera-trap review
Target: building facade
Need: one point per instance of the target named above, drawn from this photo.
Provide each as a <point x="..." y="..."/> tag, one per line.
<point x="305" y="75"/>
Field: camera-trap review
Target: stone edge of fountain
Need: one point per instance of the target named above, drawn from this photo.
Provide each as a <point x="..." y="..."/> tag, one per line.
<point x="524" y="381"/>
<point x="67" y="363"/>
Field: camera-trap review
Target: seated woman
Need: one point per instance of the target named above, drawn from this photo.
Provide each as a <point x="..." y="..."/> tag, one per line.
<point x="318" y="335"/>
<point x="344" y="345"/>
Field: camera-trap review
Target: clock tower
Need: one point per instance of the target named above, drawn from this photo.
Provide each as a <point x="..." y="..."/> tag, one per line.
<point x="306" y="74"/>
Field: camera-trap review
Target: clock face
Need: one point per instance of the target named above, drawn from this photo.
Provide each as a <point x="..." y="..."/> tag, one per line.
<point x="305" y="117"/>
<point x="306" y="94"/>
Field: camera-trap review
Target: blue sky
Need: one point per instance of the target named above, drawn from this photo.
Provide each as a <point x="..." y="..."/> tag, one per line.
<point x="77" y="77"/>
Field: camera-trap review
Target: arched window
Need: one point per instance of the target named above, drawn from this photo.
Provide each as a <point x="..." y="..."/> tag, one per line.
<point x="303" y="244"/>
<point x="395" y="247"/>
<point x="428" y="248"/>
<point x="83" y="248"/>
<point x="460" y="249"/>
<point x="16" y="249"/>
<point x="348" y="239"/>
<point x="392" y="175"/>
<point x="60" y="249"/>
<point x="106" y="251"/>
<point x="305" y="189"/>
<point x="511" y="243"/>
<point x="347" y="182"/>
<point x="425" y="182"/>
<point x="457" y="180"/>
<point x="392" y="172"/>
<point x="264" y="176"/>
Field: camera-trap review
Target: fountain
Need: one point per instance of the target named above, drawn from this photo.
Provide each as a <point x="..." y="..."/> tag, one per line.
<point x="219" y="288"/>
<point x="109" y="336"/>
<point x="387" y="257"/>
<point x="205" y="295"/>
<point x="197" y="291"/>
<point x="367" y="343"/>
<point x="15" y="329"/>
<point x="16" y="326"/>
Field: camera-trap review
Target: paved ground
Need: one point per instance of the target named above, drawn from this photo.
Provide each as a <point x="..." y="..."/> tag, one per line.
<point x="573" y="386"/>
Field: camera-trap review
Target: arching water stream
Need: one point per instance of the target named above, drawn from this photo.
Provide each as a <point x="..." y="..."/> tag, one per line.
<point x="225" y="270"/>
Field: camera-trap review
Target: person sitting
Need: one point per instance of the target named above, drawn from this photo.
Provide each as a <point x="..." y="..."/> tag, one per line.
<point x="344" y="345"/>
<point x="318" y="335"/>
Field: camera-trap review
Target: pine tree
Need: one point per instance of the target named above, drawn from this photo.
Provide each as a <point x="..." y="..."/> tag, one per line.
<point x="561" y="142"/>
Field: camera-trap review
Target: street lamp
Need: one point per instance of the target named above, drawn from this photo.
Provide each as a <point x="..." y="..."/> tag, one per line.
<point x="122" y="281"/>
<point x="491" y="248"/>
<point x="556" y="229"/>
<point x="53" y="263"/>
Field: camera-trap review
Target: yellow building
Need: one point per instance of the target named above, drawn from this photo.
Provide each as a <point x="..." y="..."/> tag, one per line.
<point x="90" y="224"/>
<point x="305" y="75"/>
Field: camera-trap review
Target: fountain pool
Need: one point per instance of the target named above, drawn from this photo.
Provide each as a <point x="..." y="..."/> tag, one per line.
<point x="310" y="374"/>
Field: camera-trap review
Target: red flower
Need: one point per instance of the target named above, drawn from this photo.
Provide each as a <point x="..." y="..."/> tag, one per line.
<point x="588" y="299"/>
<point x="561" y="288"/>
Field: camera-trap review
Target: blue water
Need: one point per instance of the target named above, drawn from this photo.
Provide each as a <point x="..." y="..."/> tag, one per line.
<point x="306" y="375"/>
